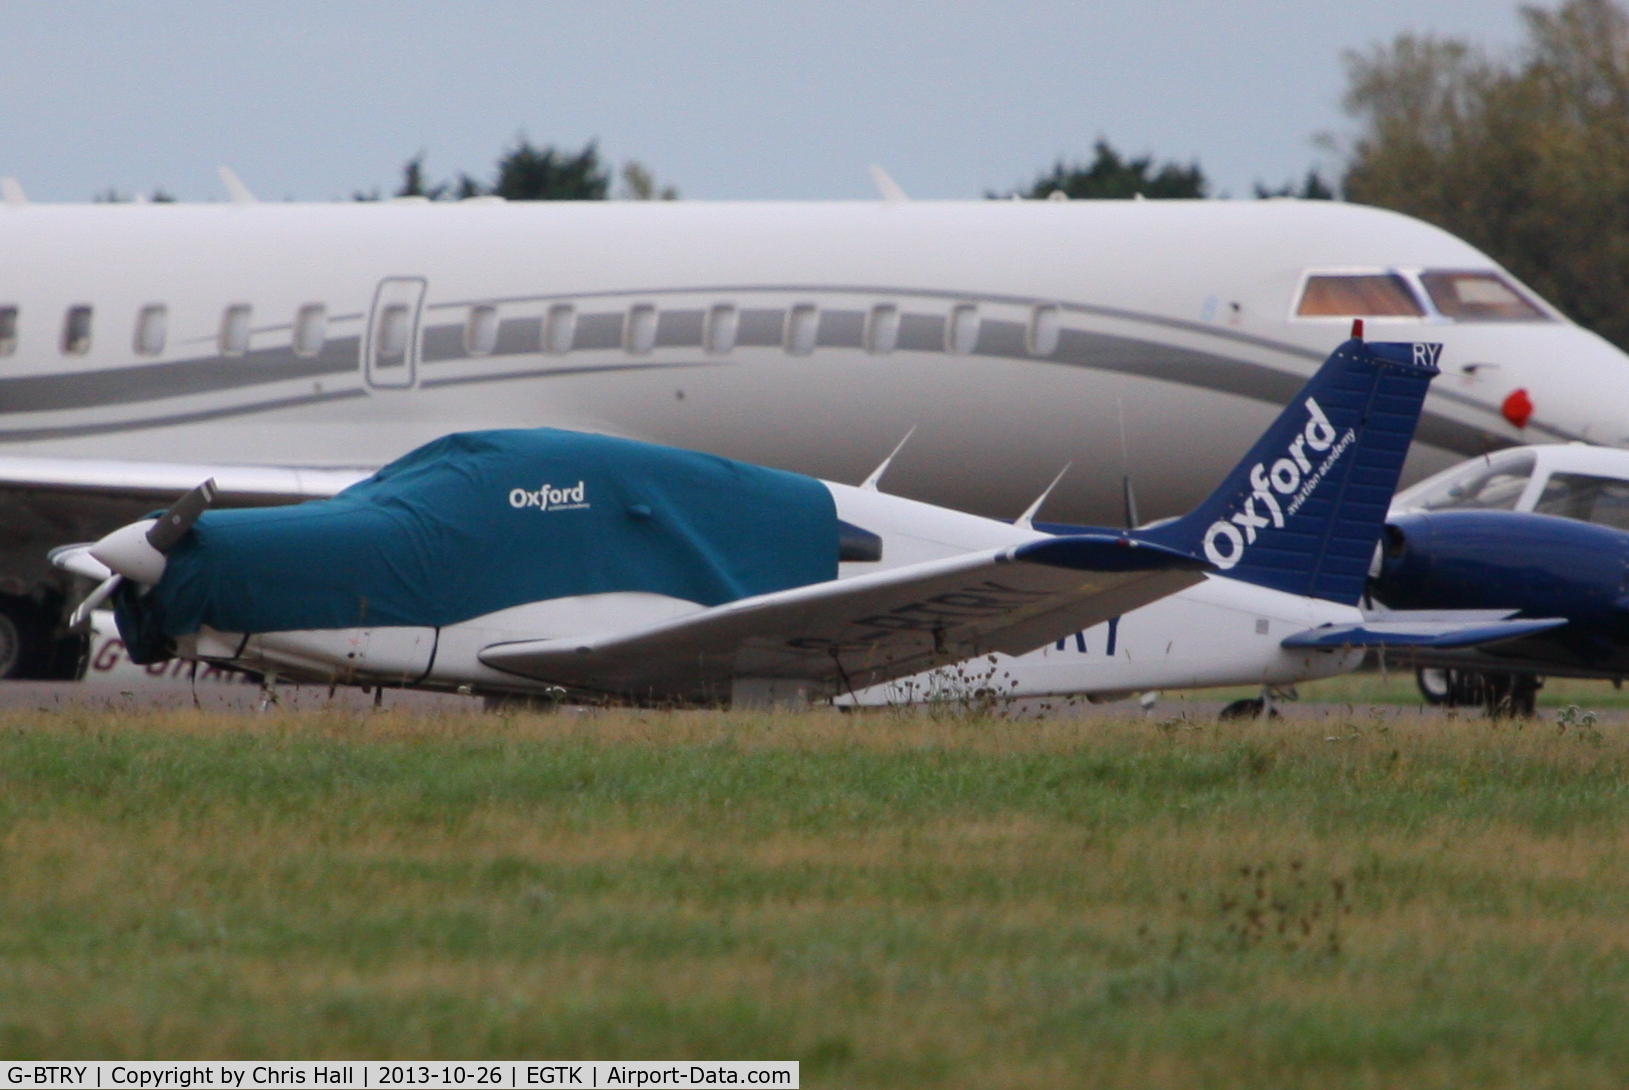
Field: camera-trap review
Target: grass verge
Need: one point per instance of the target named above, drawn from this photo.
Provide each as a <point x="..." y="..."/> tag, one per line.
<point x="893" y="900"/>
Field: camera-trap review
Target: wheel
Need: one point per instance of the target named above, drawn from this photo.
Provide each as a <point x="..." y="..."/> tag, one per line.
<point x="12" y="645"/>
<point x="30" y="647"/>
<point x="1435" y="684"/>
<point x="1248" y="708"/>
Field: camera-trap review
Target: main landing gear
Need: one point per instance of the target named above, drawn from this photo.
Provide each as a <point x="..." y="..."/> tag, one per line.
<point x="1498" y="692"/>
<point x="32" y="644"/>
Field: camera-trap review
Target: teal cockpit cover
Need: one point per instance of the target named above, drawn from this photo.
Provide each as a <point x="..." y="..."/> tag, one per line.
<point x="481" y="521"/>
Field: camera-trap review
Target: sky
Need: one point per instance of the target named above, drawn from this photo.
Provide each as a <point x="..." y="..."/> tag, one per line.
<point x="723" y="99"/>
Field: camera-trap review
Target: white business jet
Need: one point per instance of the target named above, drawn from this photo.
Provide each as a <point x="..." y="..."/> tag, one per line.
<point x="543" y="560"/>
<point x="290" y="349"/>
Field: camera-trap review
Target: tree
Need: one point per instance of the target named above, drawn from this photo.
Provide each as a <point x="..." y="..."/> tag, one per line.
<point x="1313" y="188"/>
<point x="527" y="173"/>
<point x="1110" y="176"/>
<point x="1525" y="157"/>
<point x="639" y="184"/>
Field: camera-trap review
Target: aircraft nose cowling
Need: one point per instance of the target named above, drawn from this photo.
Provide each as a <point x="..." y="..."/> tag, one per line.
<point x="1538" y="564"/>
<point x="128" y="552"/>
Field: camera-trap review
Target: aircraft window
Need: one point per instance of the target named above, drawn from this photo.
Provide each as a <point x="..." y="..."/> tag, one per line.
<point x="722" y="322"/>
<point x="856" y="545"/>
<point x="1601" y="500"/>
<point x="235" y="329"/>
<point x="882" y="329"/>
<point x="962" y="331"/>
<point x="8" y="330"/>
<point x="76" y="331"/>
<point x="150" y="328"/>
<point x="481" y="330"/>
<point x="559" y="328"/>
<point x="641" y="335"/>
<point x="394" y="321"/>
<point x="802" y="324"/>
<point x="310" y="329"/>
<point x="1382" y="295"/>
<point x="1042" y="335"/>
<point x="1483" y="487"/>
<point x="1479" y="297"/>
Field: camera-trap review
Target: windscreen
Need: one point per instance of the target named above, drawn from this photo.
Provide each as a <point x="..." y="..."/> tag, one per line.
<point x="1493" y="485"/>
<point x="1601" y="500"/>
<point x="1479" y="297"/>
<point x="1373" y="295"/>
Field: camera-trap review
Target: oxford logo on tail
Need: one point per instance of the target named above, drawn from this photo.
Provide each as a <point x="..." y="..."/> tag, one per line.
<point x="550" y="498"/>
<point x="1279" y="489"/>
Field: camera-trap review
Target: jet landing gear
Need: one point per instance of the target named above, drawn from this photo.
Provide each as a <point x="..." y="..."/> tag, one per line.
<point x="1256" y="707"/>
<point x="1498" y="692"/>
<point x="31" y="645"/>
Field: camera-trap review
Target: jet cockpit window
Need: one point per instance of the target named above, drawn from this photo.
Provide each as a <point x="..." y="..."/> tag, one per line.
<point x="1601" y="500"/>
<point x="235" y="329"/>
<point x="1479" y="297"/>
<point x="76" y="331"/>
<point x="1494" y="485"/>
<point x="8" y="330"/>
<point x="1358" y="295"/>
<point x="151" y="323"/>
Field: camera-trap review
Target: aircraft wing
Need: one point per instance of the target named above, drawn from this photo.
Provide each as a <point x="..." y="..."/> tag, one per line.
<point x="44" y="500"/>
<point x="851" y="633"/>
<point x="237" y="485"/>
<point x="1397" y="630"/>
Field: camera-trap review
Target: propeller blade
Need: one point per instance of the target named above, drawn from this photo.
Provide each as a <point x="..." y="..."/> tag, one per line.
<point x="94" y="599"/>
<point x="173" y="524"/>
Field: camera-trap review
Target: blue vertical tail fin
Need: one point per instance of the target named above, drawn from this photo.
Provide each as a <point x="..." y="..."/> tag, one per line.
<point x="1302" y="511"/>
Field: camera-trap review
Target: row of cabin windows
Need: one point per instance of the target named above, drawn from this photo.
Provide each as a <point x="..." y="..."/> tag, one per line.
<point x="152" y="328"/>
<point x="719" y="329"/>
<point x="799" y="333"/>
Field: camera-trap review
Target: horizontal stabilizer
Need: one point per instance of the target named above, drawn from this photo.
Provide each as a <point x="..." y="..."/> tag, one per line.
<point x="851" y="633"/>
<point x="1439" y="634"/>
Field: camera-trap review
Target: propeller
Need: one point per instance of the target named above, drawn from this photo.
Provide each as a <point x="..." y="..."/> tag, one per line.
<point x="136" y="552"/>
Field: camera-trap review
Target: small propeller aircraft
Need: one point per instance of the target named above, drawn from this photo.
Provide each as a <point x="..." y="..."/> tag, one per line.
<point x="541" y="561"/>
<point x="1254" y="621"/>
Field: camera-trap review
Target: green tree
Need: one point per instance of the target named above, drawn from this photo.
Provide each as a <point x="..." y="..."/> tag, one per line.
<point x="1525" y="157"/>
<point x="1312" y="188"/>
<point x="1110" y="176"/>
<point x="528" y="173"/>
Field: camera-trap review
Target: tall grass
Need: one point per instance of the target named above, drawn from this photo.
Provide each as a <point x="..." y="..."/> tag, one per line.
<point x="894" y="900"/>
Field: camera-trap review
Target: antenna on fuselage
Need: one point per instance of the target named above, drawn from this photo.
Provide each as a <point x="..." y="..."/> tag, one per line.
<point x="1127" y="495"/>
<point x="11" y="191"/>
<point x="870" y="483"/>
<point x="234" y="186"/>
<point x="887" y="188"/>
<point x="1026" y="521"/>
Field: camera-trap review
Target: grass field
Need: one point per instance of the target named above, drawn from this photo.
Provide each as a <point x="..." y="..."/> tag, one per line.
<point x="895" y="901"/>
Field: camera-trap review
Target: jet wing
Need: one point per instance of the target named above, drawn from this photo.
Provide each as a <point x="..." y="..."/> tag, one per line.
<point x="851" y="633"/>
<point x="1398" y="631"/>
<point x="147" y="482"/>
<point x="47" y="500"/>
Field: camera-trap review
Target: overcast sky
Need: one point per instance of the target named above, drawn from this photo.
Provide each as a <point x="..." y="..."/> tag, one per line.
<point x="312" y="101"/>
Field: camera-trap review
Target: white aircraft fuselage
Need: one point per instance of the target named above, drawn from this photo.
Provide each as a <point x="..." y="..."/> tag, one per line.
<point x="1014" y="335"/>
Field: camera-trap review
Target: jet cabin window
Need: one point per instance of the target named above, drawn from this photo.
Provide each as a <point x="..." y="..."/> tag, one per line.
<point x="151" y="322"/>
<point x="1479" y="297"/>
<point x="1486" y="486"/>
<point x="310" y="329"/>
<point x="1368" y="295"/>
<point x="1601" y="500"/>
<point x="76" y="331"/>
<point x="235" y="330"/>
<point x="8" y="330"/>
